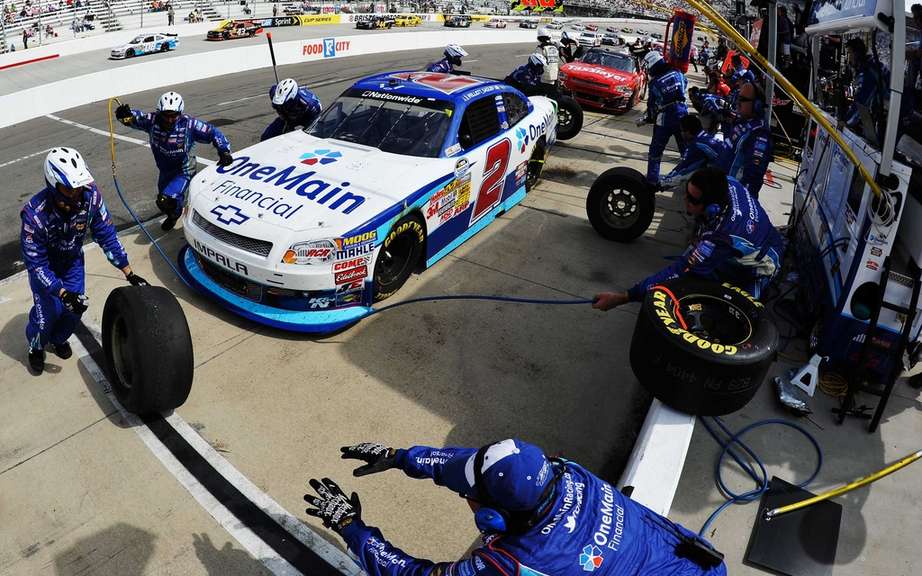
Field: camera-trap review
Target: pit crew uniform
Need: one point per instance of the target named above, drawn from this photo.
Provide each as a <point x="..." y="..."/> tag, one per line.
<point x="705" y="150"/>
<point x="739" y="77"/>
<point x="444" y="66"/>
<point x="300" y="112"/>
<point x="665" y="107"/>
<point x="869" y="89"/>
<point x="589" y="526"/>
<point x="551" y="53"/>
<point x="736" y="244"/>
<point x="173" y="154"/>
<point x="525" y="79"/>
<point x="52" y="249"/>
<point x="750" y="149"/>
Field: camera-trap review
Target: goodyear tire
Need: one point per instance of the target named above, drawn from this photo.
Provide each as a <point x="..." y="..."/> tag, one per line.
<point x="569" y="117"/>
<point x="535" y="165"/>
<point x="620" y="204"/>
<point x="148" y="349"/>
<point x="164" y="47"/>
<point x="399" y="255"/>
<point x="129" y="53"/>
<point x="716" y="364"/>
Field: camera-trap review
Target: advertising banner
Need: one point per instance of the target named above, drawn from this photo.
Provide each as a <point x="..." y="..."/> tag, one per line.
<point x="680" y="38"/>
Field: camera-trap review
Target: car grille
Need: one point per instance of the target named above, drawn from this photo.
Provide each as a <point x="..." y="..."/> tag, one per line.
<point x="252" y="245"/>
<point x="247" y="289"/>
<point x="591" y="83"/>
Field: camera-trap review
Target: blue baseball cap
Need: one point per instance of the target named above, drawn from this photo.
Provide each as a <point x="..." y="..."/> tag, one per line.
<point x="513" y="474"/>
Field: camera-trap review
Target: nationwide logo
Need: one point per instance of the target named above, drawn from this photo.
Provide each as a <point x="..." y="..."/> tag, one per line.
<point x="521" y="139"/>
<point x="320" y="156"/>
<point x="229" y="214"/>
<point x="591" y="558"/>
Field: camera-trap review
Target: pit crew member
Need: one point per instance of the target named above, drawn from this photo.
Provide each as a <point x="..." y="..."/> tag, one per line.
<point x="869" y="84"/>
<point x="735" y="241"/>
<point x="453" y="55"/>
<point x="172" y="137"/>
<point x="702" y="149"/>
<point x="712" y="108"/>
<point x="665" y="107"/>
<point x="551" y="52"/>
<point x="295" y="106"/>
<point x="570" y="49"/>
<point x="539" y="516"/>
<point x="54" y="223"/>
<point x="737" y="77"/>
<point x="527" y="77"/>
<point x="750" y="142"/>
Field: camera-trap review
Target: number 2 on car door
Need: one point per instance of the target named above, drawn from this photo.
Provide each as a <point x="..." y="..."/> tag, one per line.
<point x="494" y="178"/>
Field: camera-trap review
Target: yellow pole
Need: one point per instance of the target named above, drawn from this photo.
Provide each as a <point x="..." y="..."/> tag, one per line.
<point x="769" y="514"/>
<point x="805" y="104"/>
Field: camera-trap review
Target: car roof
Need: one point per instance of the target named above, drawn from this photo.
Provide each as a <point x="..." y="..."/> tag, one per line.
<point x="454" y="88"/>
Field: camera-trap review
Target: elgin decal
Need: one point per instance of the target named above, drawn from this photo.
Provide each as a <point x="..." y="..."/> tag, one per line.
<point x="494" y="178"/>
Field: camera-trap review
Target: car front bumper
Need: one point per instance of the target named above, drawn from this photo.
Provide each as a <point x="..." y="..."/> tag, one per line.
<point x="598" y="97"/>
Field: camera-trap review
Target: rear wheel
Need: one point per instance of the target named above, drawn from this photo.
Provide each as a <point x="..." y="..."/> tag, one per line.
<point x="164" y="47"/>
<point x="399" y="255"/>
<point x="620" y="204"/>
<point x="535" y="166"/>
<point x="569" y="118"/>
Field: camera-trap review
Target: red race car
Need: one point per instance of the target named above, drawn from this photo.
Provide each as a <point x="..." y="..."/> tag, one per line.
<point x="605" y="78"/>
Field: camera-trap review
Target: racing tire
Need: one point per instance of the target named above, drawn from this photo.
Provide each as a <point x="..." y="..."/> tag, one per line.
<point x="718" y="363"/>
<point x="535" y="166"/>
<point x="399" y="255"/>
<point x="129" y="53"/>
<point x="148" y="349"/>
<point x="620" y="204"/>
<point x="164" y="48"/>
<point x="569" y="118"/>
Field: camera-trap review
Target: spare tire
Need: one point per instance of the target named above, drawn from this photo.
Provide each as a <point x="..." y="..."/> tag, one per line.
<point x="148" y="349"/>
<point x="620" y="204"/>
<point x="702" y="347"/>
<point x="569" y="117"/>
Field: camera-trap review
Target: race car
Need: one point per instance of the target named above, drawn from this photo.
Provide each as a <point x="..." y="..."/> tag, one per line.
<point x="407" y="20"/>
<point x="555" y="26"/>
<point x="308" y="230"/>
<point x="627" y="29"/>
<point x="528" y="24"/>
<point x="145" y="44"/>
<point x="375" y="23"/>
<point x="589" y="39"/>
<point x="495" y="23"/>
<point x="458" y="21"/>
<point x="611" y="29"/>
<point x="592" y="27"/>
<point x="612" y="39"/>
<point x="605" y="78"/>
<point x="232" y="29"/>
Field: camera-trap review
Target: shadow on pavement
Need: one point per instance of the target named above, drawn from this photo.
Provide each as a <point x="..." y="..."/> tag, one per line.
<point x="225" y="561"/>
<point x="120" y="550"/>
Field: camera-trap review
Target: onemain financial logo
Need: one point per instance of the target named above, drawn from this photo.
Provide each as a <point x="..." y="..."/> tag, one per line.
<point x="336" y="197"/>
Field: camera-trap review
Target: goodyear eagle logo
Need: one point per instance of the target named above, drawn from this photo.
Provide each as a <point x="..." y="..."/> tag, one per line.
<point x="680" y="38"/>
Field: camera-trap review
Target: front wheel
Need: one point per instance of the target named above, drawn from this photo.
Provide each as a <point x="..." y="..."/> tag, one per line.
<point x="129" y="53"/>
<point x="399" y="255"/>
<point x="569" y="118"/>
<point x="620" y="204"/>
<point x="535" y="166"/>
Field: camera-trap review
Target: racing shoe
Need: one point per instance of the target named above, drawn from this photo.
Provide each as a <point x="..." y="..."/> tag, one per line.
<point x="168" y="223"/>
<point x="63" y="350"/>
<point x="37" y="360"/>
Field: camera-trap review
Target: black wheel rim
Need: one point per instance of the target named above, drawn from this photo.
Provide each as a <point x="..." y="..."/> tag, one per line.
<point x="534" y="171"/>
<point x="620" y="208"/>
<point x="715" y="319"/>
<point x="121" y="357"/>
<point x="394" y="260"/>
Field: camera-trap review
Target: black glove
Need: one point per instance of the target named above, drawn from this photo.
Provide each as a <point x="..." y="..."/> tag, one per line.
<point x="123" y="113"/>
<point x="74" y="302"/>
<point x="225" y="158"/>
<point x="377" y="457"/>
<point x="331" y="505"/>
<point x="136" y="280"/>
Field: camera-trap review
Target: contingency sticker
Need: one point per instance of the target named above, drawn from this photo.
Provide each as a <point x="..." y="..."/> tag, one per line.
<point x="451" y="200"/>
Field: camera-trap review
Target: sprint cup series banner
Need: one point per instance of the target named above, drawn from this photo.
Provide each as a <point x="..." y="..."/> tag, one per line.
<point x="679" y="45"/>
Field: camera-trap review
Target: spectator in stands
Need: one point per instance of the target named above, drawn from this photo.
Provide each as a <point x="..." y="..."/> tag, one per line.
<point x="25" y="39"/>
<point x="275" y="10"/>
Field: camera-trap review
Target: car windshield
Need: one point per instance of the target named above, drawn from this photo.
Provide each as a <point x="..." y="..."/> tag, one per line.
<point x="620" y="62"/>
<point x="398" y="124"/>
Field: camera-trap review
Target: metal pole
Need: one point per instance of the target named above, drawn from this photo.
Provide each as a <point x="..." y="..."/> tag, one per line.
<point x="772" y="56"/>
<point x="142" y="13"/>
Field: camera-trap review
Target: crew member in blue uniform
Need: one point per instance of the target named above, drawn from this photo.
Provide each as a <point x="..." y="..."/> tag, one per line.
<point x="172" y="137"/>
<point x="295" y="106"/>
<point x="702" y="149"/>
<point x="447" y="65"/>
<point x="750" y="146"/>
<point x="665" y="107"/>
<point x="712" y="107"/>
<point x="869" y="91"/>
<point x="735" y="242"/>
<point x="738" y="76"/>
<point x="540" y="517"/>
<point x="54" y="224"/>
<point x="527" y="77"/>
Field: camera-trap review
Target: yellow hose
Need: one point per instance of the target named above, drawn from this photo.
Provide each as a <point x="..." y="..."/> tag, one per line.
<point x="113" y="100"/>
<point x="805" y="104"/>
<point x="906" y="461"/>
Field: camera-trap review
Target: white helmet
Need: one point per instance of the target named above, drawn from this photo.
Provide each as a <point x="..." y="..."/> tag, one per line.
<point x="652" y="58"/>
<point x="171" y="102"/>
<point x="286" y="90"/>
<point x="66" y="166"/>
<point x="455" y="51"/>
<point x="543" y="32"/>
<point x="537" y="60"/>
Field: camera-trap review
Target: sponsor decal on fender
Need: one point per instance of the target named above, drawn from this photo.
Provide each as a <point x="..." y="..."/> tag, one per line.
<point x="351" y="275"/>
<point x="451" y="200"/>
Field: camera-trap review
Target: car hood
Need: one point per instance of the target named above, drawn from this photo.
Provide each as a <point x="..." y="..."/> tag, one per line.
<point x="597" y="73"/>
<point x="299" y="182"/>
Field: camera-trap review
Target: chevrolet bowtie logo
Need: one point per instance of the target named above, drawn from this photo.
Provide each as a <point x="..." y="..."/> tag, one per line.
<point x="229" y="214"/>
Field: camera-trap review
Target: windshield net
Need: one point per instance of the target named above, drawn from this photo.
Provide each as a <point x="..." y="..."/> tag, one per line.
<point x="393" y="123"/>
<point x="617" y="61"/>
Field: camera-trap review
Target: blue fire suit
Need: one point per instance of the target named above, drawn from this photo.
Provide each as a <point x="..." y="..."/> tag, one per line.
<point x="526" y="78"/>
<point x="588" y="527"/>
<point x="444" y="66"/>
<point x="665" y="107"/>
<point x="737" y="244"/>
<point x="173" y="152"/>
<point x="750" y="152"/>
<point x="705" y="150"/>
<point x="739" y="77"/>
<point x="52" y="248"/>
<point x="302" y="111"/>
<point x="869" y="94"/>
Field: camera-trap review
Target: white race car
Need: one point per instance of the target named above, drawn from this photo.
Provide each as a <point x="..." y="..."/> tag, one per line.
<point x="145" y="44"/>
<point x="308" y="230"/>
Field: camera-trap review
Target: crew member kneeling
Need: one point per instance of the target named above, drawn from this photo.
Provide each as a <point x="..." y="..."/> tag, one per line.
<point x="735" y="242"/>
<point x="539" y="516"/>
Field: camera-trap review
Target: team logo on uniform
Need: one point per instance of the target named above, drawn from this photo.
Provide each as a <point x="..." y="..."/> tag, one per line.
<point x="521" y="139"/>
<point x="591" y="558"/>
<point x="321" y="157"/>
